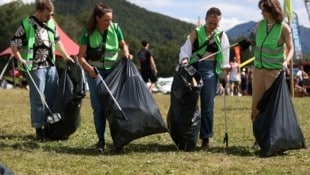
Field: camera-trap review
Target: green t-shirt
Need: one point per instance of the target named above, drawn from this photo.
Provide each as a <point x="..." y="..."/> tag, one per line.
<point x="84" y="35"/>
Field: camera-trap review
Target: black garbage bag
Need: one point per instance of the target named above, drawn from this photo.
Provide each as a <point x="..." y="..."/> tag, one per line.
<point x="184" y="116"/>
<point x="276" y="128"/>
<point x="68" y="101"/>
<point x="3" y="84"/>
<point x="5" y="171"/>
<point x="142" y="116"/>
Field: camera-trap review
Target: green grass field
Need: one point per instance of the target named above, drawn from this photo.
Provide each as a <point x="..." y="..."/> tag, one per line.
<point x="155" y="154"/>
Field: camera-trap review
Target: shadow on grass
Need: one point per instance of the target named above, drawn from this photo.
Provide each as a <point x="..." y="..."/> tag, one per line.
<point x="151" y="148"/>
<point x="86" y="151"/>
<point x="22" y="142"/>
<point x="14" y="137"/>
<point x="232" y="150"/>
<point x="109" y="149"/>
<point x="236" y="108"/>
<point x="154" y="148"/>
<point x="28" y="142"/>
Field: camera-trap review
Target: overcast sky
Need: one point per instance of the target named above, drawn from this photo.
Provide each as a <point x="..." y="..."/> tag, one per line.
<point x="234" y="11"/>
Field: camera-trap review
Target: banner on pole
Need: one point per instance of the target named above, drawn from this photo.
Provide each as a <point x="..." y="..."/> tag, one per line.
<point x="296" y="38"/>
<point x="288" y="8"/>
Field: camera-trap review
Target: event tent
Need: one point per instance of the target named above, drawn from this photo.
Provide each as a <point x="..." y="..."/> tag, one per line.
<point x="70" y="46"/>
<point x="6" y="52"/>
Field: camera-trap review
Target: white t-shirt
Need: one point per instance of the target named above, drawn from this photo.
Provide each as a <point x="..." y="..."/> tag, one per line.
<point x="234" y="73"/>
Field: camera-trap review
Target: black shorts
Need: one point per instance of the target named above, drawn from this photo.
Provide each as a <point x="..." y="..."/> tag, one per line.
<point x="149" y="75"/>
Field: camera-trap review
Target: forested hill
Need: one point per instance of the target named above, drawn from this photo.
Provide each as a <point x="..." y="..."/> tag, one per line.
<point x="134" y="20"/>
<point x="165" y="34"/>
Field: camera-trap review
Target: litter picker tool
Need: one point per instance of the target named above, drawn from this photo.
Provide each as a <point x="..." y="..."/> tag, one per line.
<point x="242" y="43"/>
<point x="5" y="67"/>
<point x="213" y="54"/>
<point x="110" y="93"/>
<point x="53" y="117"/>
<point x="225" y="120"/>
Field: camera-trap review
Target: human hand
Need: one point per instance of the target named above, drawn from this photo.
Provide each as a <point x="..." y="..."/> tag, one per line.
<point x="128" y="56"/>
<point x="23" y="62"/>
<point x="285" y="63"/>
<point x="93" y="72"/>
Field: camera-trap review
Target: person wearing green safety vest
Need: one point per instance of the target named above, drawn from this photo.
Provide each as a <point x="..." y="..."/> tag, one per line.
<point x="101" y="45"/>
<point x="273" y="50"/>
<point x="203" y="42"/>
<point x="33" y="45"/>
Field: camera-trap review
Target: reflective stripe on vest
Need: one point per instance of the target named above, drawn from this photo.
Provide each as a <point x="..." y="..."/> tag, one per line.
<point x="27" y="51"/>
<point x="268" y="54"/>
<point x="110" y="54"/>
<point x="202" y="38"/>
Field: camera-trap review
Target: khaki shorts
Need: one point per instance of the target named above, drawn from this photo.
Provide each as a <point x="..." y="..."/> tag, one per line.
<point x="262" y="80"/>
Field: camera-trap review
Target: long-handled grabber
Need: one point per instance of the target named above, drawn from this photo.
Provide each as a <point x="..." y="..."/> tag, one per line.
<point x="225" y="122"/>
<point x="3" y="82"/>
<point x="53" y="117"/>
<point x="5" y="67"/>
<point x="111" y="95"/>
<point x="213" y="54"/>
<point x="242" y="43"/>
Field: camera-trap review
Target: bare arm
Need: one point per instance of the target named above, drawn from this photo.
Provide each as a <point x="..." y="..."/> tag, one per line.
<point x="288" y="41"/>
<point x="17" y="55"/>
<point x="123" y="45"/>
<point x="153" y="64"/>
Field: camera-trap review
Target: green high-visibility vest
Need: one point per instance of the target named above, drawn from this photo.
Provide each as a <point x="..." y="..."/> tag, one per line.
<point x="111" y="45"/>
<point x="27" y="51"/>
<point x="268" y="53"/>
<point x="202" y="38"/>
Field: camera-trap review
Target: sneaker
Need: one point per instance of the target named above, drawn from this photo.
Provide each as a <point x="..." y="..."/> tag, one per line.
<point x="100" y="145"/>
<point x="205" y="143"/>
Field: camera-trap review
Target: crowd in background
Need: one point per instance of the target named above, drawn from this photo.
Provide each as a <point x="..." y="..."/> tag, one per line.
<point x="300" y="78"/>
